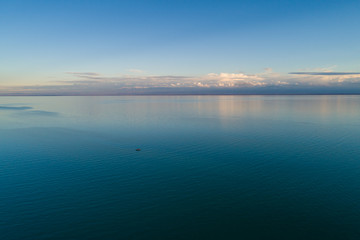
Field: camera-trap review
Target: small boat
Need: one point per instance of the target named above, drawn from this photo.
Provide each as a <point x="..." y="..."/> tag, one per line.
<point x="138" y="150"/>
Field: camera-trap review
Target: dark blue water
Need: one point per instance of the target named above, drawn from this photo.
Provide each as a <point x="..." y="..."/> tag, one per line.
<point x="210" y="167"/>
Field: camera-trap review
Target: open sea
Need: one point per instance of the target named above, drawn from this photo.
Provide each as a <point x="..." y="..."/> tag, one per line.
<point x="210" y="167"/>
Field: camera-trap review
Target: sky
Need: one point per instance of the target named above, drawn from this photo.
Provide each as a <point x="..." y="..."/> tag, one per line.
<point x="108" y="47"/>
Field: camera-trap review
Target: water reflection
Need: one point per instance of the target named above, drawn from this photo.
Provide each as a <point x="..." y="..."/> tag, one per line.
<point x="233" y="166"/>
<point x="156" y="110"/>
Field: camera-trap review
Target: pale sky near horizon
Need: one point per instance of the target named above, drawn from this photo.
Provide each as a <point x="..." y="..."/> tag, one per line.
<point x="112" y="46"/>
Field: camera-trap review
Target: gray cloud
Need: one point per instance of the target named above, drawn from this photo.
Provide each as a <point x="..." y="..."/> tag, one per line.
<point x="268" y="82"/>
<point x="85" y="75"/>
<point x="326" y="73"/>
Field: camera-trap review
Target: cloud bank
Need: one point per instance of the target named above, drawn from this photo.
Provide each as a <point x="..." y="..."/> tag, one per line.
<point x="267" y="82"/>
<point x="326" y="73"/>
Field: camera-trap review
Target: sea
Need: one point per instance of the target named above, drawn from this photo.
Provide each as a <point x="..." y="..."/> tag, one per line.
<point x="206" y="167"/>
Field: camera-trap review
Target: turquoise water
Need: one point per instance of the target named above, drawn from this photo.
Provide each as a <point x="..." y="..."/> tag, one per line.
<point x="210" y="167"/>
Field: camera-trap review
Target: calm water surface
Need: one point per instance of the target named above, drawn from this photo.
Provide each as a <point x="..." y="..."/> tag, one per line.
<point x="211" y="167"/>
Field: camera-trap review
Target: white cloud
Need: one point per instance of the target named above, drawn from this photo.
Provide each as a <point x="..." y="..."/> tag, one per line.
<point x="211" y="80"/>
<point x="235" y="79"/>
<point x="95" y="83"/>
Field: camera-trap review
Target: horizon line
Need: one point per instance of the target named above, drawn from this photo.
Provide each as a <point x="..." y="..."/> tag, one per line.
<point x="179" y="94"/>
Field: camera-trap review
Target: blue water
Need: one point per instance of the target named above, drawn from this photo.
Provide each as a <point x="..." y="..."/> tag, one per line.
<point x="210" y="167"/>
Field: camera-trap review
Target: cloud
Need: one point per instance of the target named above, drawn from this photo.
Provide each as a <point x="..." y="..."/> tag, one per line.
<point x="268" y="82"/>
<point x="235" y="79"/>
<point x="326" y="78"/>
<point x="85" y="75"/>
<point x="90" y="80"/>
<point x="319" y="69"/>
<point x="326" y="73"/>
